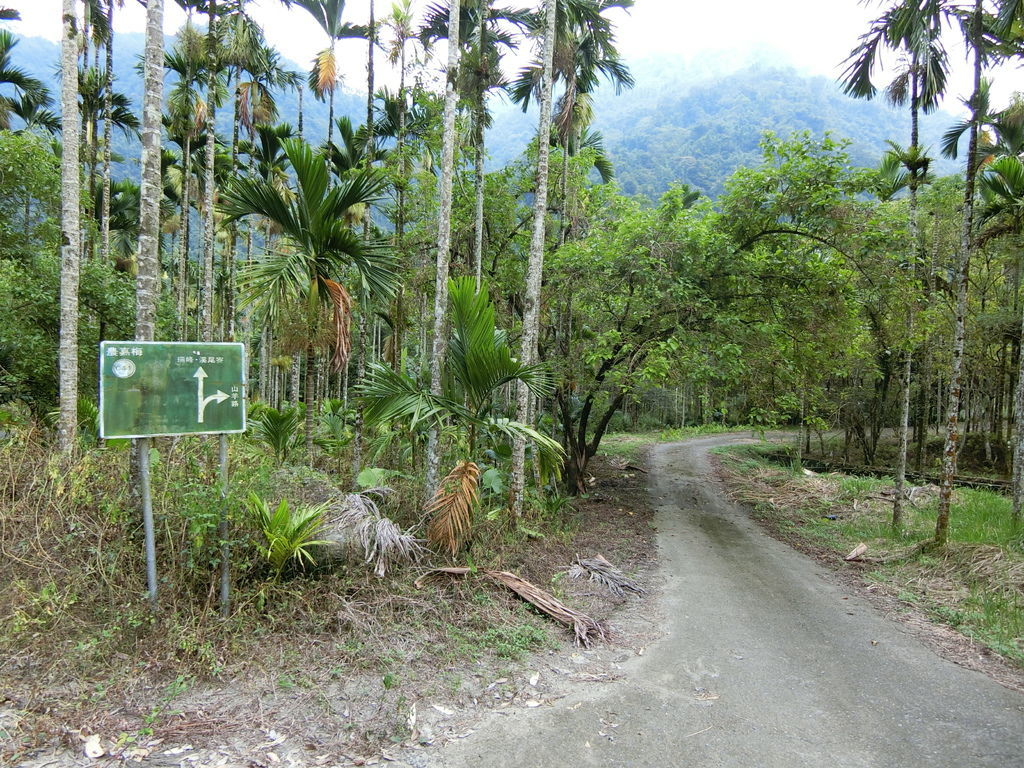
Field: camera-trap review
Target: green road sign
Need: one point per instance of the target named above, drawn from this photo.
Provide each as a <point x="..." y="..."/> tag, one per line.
<point x="153" y="388"/>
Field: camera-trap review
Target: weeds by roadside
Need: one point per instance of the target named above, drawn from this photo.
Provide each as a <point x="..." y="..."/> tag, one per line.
<point x="976" y="584"/>
<point x="86" y="655"/>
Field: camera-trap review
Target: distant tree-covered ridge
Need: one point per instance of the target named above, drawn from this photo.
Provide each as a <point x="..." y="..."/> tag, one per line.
<point x="677" y="125"/>
<point x="698" y="128"/>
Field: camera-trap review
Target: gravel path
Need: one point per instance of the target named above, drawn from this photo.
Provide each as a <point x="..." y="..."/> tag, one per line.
<point x="766" y="661"/>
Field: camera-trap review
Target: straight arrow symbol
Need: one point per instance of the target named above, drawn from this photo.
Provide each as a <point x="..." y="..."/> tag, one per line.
<point x="201" y="402"/>
<point x="200" y="376"/>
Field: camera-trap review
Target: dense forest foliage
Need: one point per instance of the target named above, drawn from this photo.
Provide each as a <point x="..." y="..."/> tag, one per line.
<point x="406" y="312"/>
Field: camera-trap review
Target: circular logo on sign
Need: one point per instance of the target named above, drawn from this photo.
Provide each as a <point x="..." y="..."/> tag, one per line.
<point x="123" y="368"/>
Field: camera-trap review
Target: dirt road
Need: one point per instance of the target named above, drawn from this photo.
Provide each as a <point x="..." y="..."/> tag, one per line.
<point x="767" y="661"/>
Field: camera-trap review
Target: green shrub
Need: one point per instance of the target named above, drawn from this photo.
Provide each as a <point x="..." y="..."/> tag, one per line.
<point x="289" y="534"/>
<point x="278" y="429"/>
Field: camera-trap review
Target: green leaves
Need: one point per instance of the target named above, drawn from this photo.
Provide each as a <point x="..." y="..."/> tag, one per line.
<point x="316" y="221"/>
<point x="478" y="365"/>
<point x="278" y="429"/>
<point x="290" y="535"/>
<point x="480" y="359"/>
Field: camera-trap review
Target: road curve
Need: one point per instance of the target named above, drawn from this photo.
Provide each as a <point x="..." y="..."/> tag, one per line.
<point x="767" y="661"/>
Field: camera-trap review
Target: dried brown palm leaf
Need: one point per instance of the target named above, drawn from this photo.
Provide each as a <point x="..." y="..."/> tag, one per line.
<point x="244" y="106"/>
<point x="325" y="67"/>
<point x="199" y="111"/>
<point x="451" y="509"/>
<point x="599" y="570"/>
<point x="342" y="325"/>
<point x="383" y="543"/>
<point x="585" y="629"/>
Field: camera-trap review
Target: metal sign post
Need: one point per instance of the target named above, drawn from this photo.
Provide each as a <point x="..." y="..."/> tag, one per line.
<point x="157" y="388"/>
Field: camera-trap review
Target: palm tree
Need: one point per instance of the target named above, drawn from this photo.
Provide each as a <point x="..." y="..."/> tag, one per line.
<point x="123" y="220"/>
<point x="322" y="246"/>
<point x="1002" y="187"/>
<point x="973" y="24"/>
<point x="585" y="52"/>
<point x="484" y="31"/>
<point x="34" y="113"/>
<point x="531" y="313"/>
<point x="323" y="77"/>
<point x="108" y="107"/>
<point x="70" y="224"/>
<point x="214" y="94"/>
<point x="444" y="233"/>
<point x="1001" y="131"/>
<point x="478" y="365"/>
<point x="24" y="85"/>
<point x="186" y="120"/>
<point x="395" y="112"/>
<point x="114" y="108"/>
<point x="913" y="27"/>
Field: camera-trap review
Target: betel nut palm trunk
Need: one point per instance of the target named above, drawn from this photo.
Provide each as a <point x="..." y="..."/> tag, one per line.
<point x="535" y="268"/>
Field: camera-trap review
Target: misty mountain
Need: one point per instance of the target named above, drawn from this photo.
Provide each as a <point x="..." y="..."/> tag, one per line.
<point x="693" y="126"/>
<point x="682" y="122"/>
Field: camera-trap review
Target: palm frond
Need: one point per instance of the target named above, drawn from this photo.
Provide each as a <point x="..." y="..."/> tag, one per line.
<point x="549" y="452"/>
<point x="341" y="303"/>
<point x="323" y="77"/>
<point x="451" y="509"/>
<point x="391" y="396"/>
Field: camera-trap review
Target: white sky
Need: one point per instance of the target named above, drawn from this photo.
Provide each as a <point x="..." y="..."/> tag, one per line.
<point x="815" y="36"/>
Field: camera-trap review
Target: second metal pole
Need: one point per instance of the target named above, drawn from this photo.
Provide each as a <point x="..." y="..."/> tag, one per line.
<point x="225" y="548"/>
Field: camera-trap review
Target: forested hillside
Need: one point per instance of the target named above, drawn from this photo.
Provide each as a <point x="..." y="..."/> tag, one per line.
<point x="696" y="128"/>
<point x="677" y="125"/>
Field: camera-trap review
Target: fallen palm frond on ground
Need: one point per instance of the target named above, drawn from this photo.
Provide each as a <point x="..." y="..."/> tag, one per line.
<point x="599" y="570"/>
<point x="383" y="543"/>
<point x="585" y="629"/>
<point x="451" y="509"/>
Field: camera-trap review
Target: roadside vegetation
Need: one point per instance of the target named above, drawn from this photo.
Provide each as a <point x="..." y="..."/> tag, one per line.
<point x="975" y="584"/>
<point x="314" y="623"/>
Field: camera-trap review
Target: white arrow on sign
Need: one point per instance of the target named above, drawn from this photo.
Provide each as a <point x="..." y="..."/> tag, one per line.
<point x="201" y="402"/>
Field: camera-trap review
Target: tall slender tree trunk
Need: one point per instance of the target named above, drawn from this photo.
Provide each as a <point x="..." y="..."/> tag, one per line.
<point x="308" y="397"/>
<point x="293" y="382"/>
<point x="444" y="233"/>
<point x="206" y="310"/>
<point x="917" y="260"/>
<point x="107" y="130"/>
<point x="397" y="341"/>
<point x="228" y="255"/>
<point x="70" y="265"/>
<point x="151" y="189"/>
<point x="1018" y="436"/>
<point x="330" y="113"/>
<point x="357" y="436"/>
<point x="952" y="446"/>
<point x="478" y="226"/>
<point x="535" y="269"/>
<point x="300" y="111"/>
<point x="480" y="109"/>
<point x="186" y="225"/>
